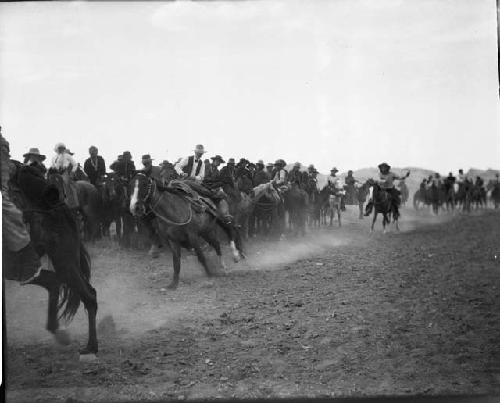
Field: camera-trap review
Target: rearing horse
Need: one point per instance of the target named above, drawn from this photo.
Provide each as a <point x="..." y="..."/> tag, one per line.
<point x="54" y="232"/>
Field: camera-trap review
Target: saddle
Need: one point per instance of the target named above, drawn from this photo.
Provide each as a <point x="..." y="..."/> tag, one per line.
<point x="199" y="203"/>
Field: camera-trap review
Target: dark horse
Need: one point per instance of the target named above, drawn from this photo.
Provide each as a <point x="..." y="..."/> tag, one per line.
<point x="181" y="221"/>
<point x="89" y="203"/>
<point x="296" y="203"/>
<point x="54" y="232"/>
<point x="115" y="201"/>
<point x="383" y="204"/>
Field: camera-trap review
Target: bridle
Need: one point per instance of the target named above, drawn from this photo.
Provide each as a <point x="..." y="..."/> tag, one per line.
<point x="148" y="198"/>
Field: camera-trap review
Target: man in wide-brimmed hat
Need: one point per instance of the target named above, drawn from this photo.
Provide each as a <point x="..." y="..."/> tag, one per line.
<point x="229" y="171"/>
<point x="64" y="163"/>
<point x="386" y="182"/>
<point x="192" y="167"/>
<point x="214" y="173"/>
<point x="94" y="166"/>
<point x="124" y="166"/>
<point x="261" y="175"/>
<point x="296" y="176"/>
<point x="34" y="159"/>
<point x="280" y="175"/>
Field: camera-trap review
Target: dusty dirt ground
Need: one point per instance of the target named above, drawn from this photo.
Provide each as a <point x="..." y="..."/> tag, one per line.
<point x="338" y="313"/>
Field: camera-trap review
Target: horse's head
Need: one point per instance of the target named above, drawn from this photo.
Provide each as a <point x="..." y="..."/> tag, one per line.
<point x="109" y="188"/>
<point x="140" y="190"/>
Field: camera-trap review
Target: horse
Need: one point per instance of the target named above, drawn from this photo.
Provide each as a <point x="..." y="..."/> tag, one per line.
<point x="332" y="199"/>
<point x="183" y="219"/>
<point x="296" y="202"/>
<point x="115" y="201"/>
<point x="383" y="204"/>
<point x="361" y="193"/>
<point x="494" y="188"/>
<point x="54" y="232"/>
<point x="88" y="203"/>
<point x="405" y="193"/>
<point x="267" y="206"/>
<point x="464" y="195"/>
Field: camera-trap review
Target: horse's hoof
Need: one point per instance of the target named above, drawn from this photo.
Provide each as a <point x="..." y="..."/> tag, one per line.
<point x="62" y="337"/>
<point x="87" y="356"/>
<point x="172" y="286"/>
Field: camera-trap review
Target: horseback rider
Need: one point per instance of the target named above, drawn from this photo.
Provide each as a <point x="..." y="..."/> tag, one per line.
<point x="229" y="171"/>
<point x="94" y="167"/>
<point x="192" y="170"/>
<point x="281" y="175"/>
<point x="297" y="176"/>
<point x="479" y="182"/>
<point x="192" y="167"/>
<point x="462" y="178"/>
<point x="124" y="167"/>
<point x="34" y="159"/>
<point x="260" y="176"/>
<point x="214" y="167"/>
<point x="20" y="261"/>
<point x="386" y="182"/>
<point x="270" y="170"/>
<point x="449" y="181"/>
<point x="335" y="187"/>
<point x="244" y="176"/>
<point x="351" y="183"/>
<point x="64" y="163"/>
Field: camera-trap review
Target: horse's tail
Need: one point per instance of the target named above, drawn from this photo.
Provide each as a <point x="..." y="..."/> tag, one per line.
<point x="69" y="298"/>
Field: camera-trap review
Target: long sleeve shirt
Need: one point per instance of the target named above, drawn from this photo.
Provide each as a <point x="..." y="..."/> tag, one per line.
<point x="192" y="166"/>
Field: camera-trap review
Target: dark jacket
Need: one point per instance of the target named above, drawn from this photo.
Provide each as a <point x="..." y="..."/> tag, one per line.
<point x="124" y="169"/>
<point x="94" y="173"/>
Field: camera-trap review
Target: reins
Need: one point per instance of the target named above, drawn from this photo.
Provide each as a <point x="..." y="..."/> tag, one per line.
<point x="150" y="195"/>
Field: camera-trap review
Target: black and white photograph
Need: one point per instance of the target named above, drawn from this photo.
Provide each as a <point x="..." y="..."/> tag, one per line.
<point x="250" y="199"/>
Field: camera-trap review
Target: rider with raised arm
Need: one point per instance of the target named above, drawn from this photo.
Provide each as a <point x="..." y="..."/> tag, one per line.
<point x="386" y="182"/>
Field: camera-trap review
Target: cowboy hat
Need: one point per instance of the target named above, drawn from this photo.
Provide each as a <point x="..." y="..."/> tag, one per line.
<point x="199" y="149"/>
<point x="260" y="162"/>
<point x="147" y="157"/>
<point x="230" y="161"/>
<point x="270" y="164"/>
<point x="165" y="163"/>
<point x="58" y="146"/>
<point x="127" y="154"/>
<point x="384" y="164"/>
<point x="297" y="164"/>
<point x="311" y="167"/>
<point x="218" y="158"/>
<point x="280" y="162"/>
<point x="34" y="151"/>
<point x="334" y="169"/>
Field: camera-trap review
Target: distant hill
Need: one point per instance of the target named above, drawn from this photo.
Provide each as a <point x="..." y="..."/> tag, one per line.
<point x="413" y="181"/>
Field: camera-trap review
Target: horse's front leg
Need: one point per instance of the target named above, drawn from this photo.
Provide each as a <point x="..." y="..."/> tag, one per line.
<point x="374" y="219"/>
<point x="176" y="258"/>
<point x="338" y="215"/>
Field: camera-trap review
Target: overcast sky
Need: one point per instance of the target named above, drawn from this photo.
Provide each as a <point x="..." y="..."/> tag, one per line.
<point x="347" y="83"/>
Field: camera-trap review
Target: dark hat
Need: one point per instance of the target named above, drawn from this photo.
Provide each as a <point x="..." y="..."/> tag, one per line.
<point x="34" y="151"/>
<point x="147" y="157"/>
<point x="280" y="162"/>
<point x="218" y="158"/>
<point x="334" y="169"/>
<point x="120" y="157"/>
<point x="384" y="165"/>
<point x="230" y="161"/>
<point x="311" y="167"/>
<point x="349" y="171"/>
<point x="260" y="162"/>
<point x="243" y="161"/>
<point x="251" y="165"/>
<point x="127" y="154"/>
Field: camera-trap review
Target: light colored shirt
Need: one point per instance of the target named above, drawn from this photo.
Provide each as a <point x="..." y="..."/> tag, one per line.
<point x="280" y="177"/>
<point x="334" y="181"/>
<point x="387" y="180"/>
<point x="184" y="163"/>
<point x="64" y="161"/>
